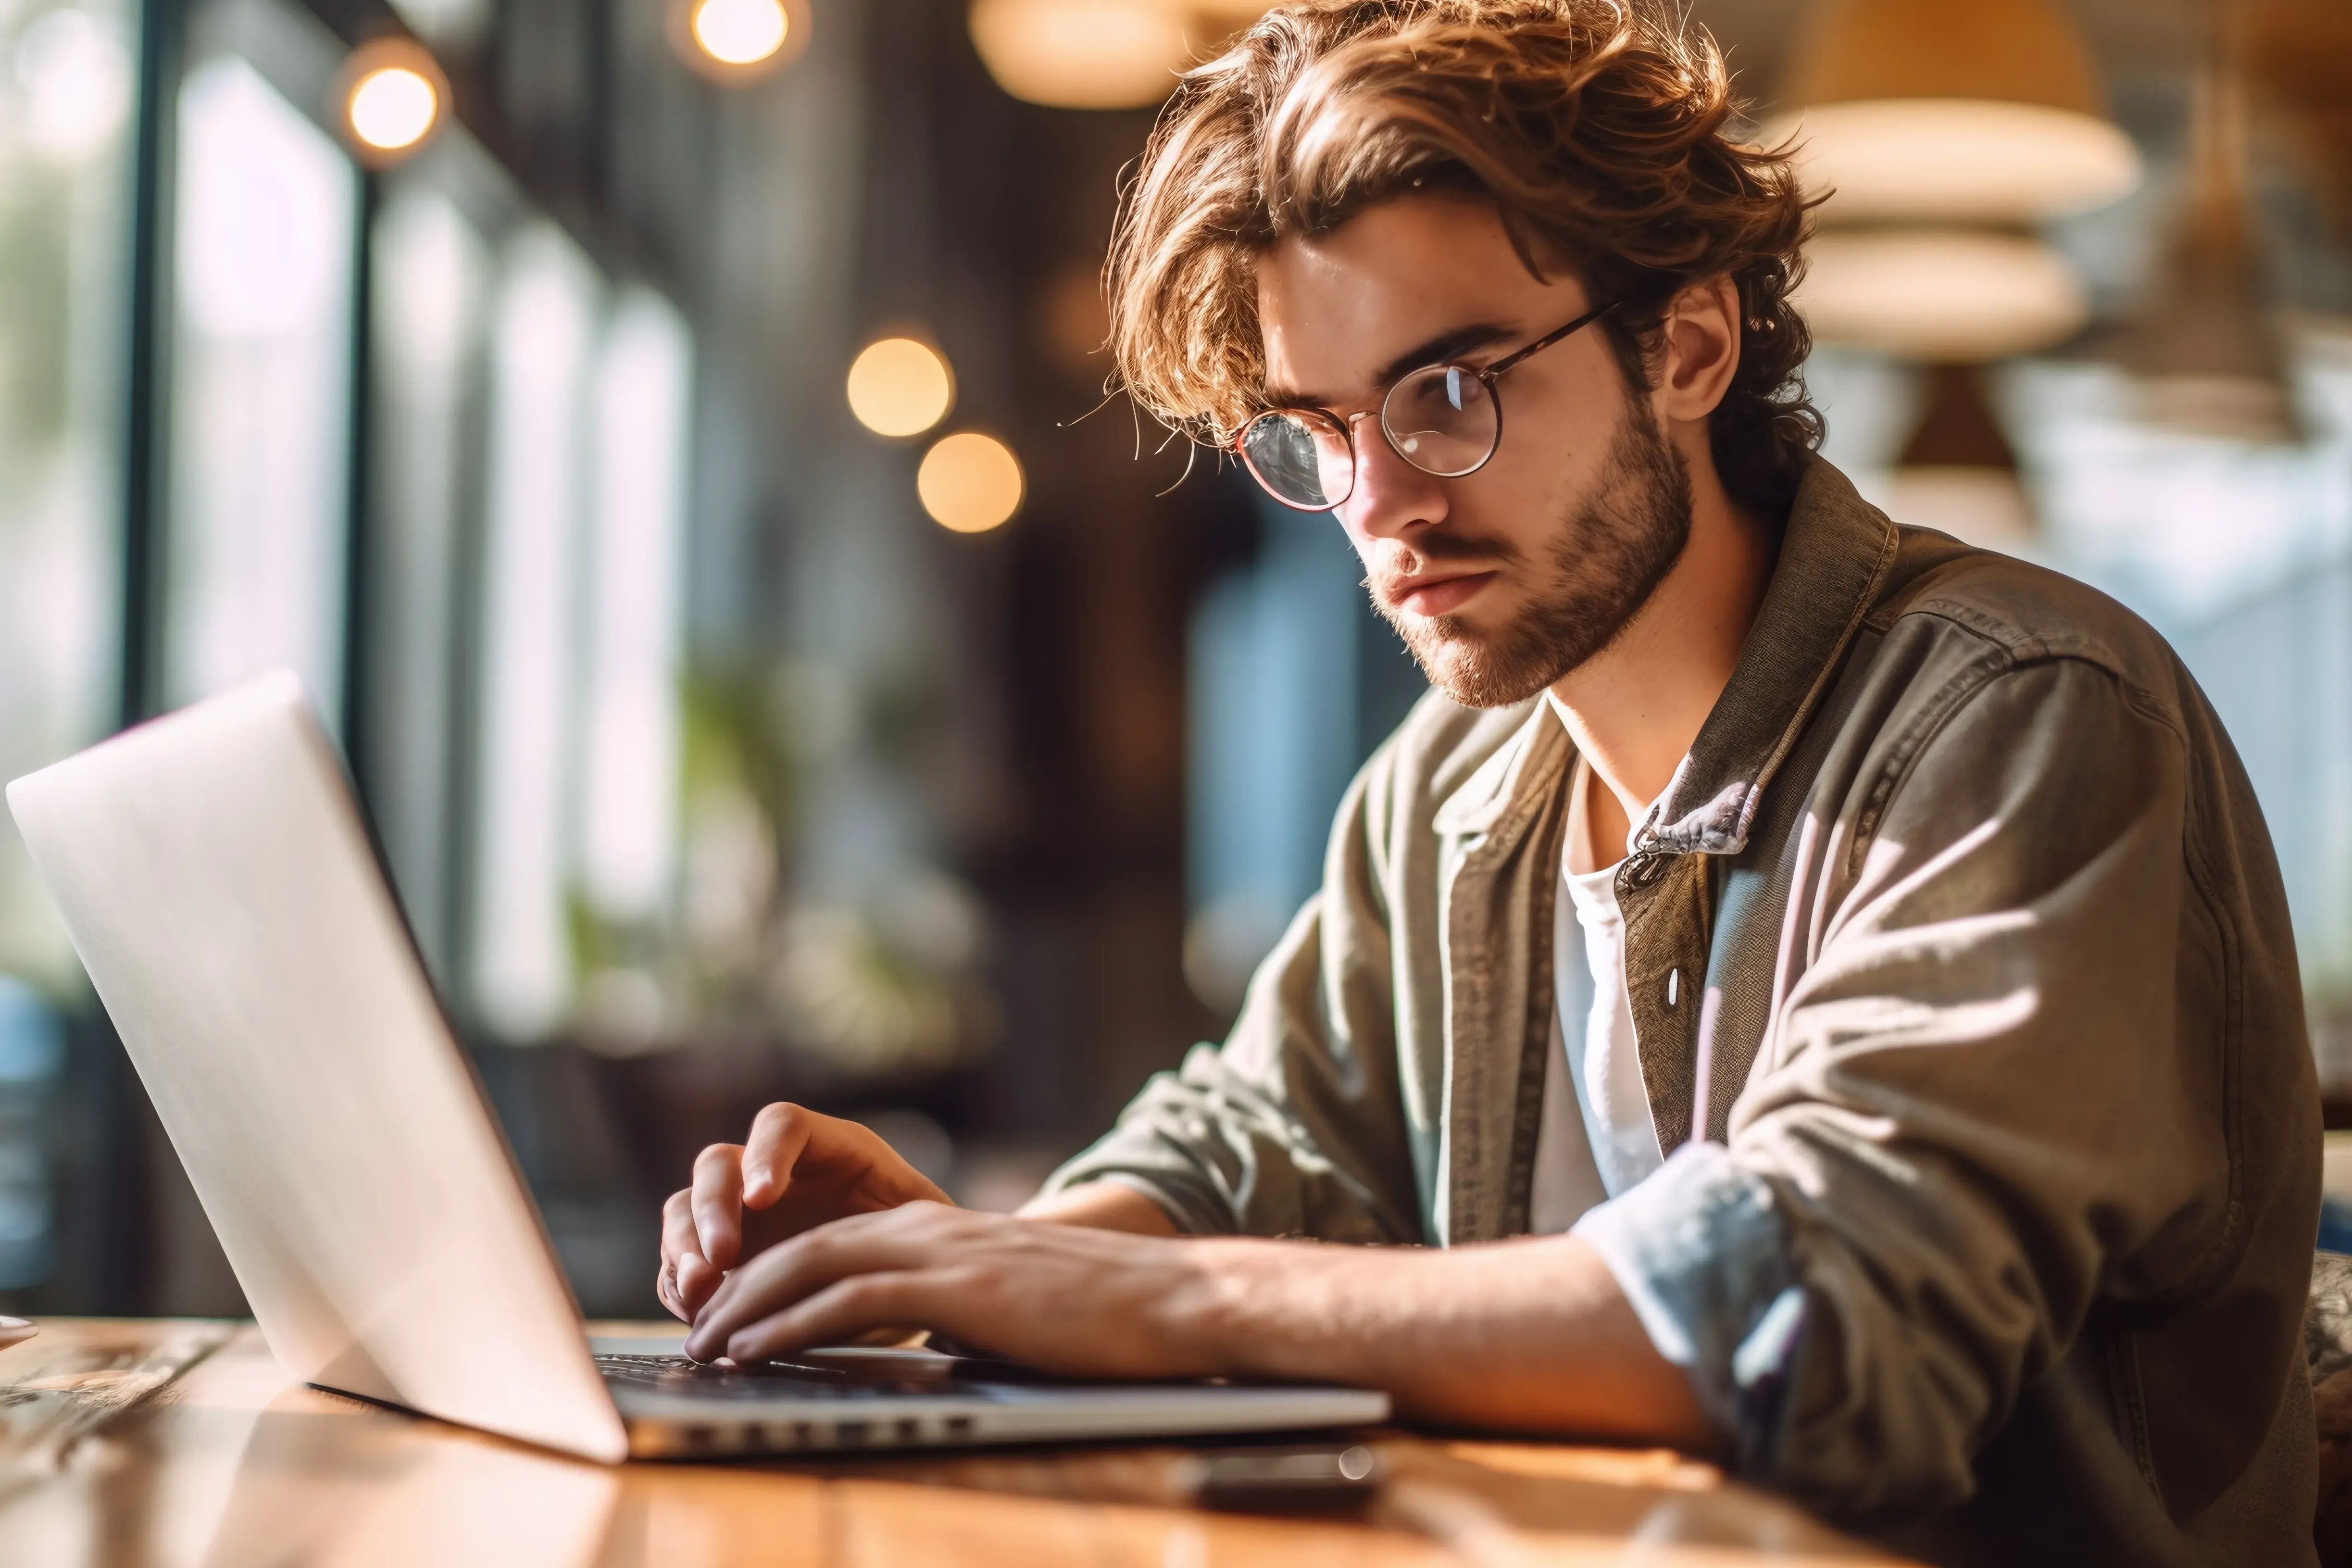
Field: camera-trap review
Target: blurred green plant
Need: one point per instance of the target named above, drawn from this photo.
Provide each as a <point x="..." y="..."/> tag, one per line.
<point x="879" y="988"/>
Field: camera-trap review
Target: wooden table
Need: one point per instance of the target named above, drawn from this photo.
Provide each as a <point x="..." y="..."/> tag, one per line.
<point x="184" y="1443"/>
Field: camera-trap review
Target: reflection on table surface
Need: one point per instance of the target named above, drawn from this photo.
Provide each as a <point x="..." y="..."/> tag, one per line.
<point x="184" y="1443"/>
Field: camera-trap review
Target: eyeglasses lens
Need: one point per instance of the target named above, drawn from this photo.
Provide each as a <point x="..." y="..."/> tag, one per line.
<point x="1304" y="461"/>
<point x="1441" y="420"/>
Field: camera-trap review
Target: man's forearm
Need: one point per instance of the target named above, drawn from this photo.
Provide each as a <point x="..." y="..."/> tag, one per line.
<point x="1531" y="1335"/>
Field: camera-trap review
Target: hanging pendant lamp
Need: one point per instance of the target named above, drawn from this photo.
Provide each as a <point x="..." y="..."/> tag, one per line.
<point x="1938" y="135"/>
<point x="1987" y="112"/>
<point x="1956" y="472"/>
<point x="2206" y="356"/>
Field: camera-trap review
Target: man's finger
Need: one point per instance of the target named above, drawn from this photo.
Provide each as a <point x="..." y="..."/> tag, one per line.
<point x="777" y="1277"/>
<point x="678" y="1236"/>
<point x="718" y="1203"/>
<point x="791" y="1270"/>
<point x="841" y="1312"/>
<point x="779" y="1135"/>
<point x="698" y="1279"/>
<point x="681" y="1285"/>
<point x="679" y="1243"/>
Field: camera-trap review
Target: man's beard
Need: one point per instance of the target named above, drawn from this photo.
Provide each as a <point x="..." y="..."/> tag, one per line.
<point x="1606" y="562"/>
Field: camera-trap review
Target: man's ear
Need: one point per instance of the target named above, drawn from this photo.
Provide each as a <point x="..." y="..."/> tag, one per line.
<point x="1699" y="344"/>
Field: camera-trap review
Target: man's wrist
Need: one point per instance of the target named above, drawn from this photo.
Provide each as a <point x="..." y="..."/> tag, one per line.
<point x="1208" y="1317"/>
<point x="1267" y="1308"/>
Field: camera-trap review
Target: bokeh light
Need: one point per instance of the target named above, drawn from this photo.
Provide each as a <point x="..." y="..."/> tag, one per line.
<point x="970" y="482"/>
<point x="740" y="32"/>
<point x="898" y="386"/>
<point x="391" y="96"/>
<point x="392" y="107"/>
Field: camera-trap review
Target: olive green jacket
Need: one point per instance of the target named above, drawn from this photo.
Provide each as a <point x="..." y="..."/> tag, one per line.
<point x="1968" y="1015"/>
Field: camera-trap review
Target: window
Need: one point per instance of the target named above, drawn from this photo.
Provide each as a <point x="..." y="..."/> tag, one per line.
<point x="629" y="777"/>
<point x="266" y="223"/>
<point x="542" y="338"/>
<point x="65" y="88"/>
<point x="66" y="79"/>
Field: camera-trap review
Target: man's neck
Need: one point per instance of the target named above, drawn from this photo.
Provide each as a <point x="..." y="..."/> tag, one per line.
<point x="1634" y="708"/>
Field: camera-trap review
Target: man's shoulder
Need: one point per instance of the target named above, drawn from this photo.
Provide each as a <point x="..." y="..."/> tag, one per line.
<point x="1939" y="587"/>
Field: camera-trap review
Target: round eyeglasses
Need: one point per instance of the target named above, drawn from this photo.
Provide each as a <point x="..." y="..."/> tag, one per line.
<point x="1444" y="420"/>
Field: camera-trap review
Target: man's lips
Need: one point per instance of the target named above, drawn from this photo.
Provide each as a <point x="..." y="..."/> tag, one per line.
<point x="1437" y="592"/>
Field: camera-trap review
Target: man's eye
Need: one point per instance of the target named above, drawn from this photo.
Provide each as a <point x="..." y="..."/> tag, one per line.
<point x="1439" y="392"/>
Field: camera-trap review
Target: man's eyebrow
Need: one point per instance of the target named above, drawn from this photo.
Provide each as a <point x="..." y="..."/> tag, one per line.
<point x="1452" y="343"/>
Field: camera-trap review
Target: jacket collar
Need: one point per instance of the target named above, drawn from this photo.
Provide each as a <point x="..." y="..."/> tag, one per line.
<point x="1834" y="556"/>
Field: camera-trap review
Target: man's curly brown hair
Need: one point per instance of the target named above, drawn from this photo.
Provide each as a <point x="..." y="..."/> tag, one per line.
<point x="1597" y="131"/>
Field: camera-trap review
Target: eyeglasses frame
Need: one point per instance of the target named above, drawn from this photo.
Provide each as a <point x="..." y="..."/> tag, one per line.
<point x="1487" y="377"/>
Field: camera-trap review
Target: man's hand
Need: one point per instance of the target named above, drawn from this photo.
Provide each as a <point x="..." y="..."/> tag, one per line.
<point x="797" y="1169"/>
<point x="1066" y="1298"/>
<point x="1526" y="1335"/>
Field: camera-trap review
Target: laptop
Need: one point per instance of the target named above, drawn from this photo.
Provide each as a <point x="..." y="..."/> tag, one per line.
<point x="218" y="878"/>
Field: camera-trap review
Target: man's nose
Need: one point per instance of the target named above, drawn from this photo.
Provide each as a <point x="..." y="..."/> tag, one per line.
<point x="1390" y="496"/>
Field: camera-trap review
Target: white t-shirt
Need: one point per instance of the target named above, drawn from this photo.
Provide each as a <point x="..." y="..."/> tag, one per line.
<point x="1595" y="1139"/>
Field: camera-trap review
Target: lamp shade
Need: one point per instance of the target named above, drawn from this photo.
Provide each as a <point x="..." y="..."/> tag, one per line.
<point x="1923" y="108"/>
<point x="1939" y="294"/>
<point x="1957" y="472"/>
<point x="1101" y="53"/>
<point x="1082" y="54"/>
<point x="1967" y="159"/>
<point x="2005" y="51"/>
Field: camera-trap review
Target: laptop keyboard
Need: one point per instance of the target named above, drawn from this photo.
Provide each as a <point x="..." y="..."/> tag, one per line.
<point x="762" y="1380"/>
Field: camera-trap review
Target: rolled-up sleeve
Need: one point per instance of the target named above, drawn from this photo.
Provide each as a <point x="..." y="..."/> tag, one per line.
<point x="1703" y="1258"/>
<point x="1994" y="1079"/>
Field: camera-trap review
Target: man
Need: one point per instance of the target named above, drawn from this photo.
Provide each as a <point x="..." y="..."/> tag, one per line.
<point x="1813" y="993"/>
